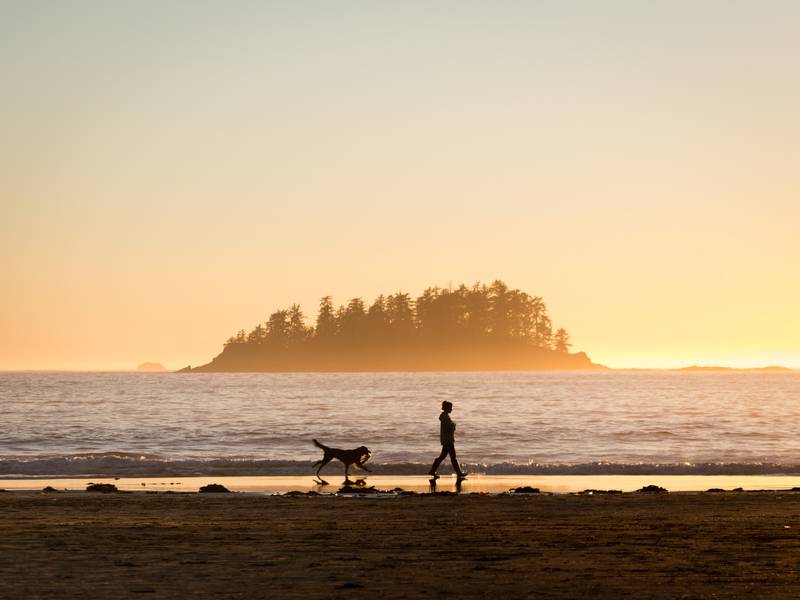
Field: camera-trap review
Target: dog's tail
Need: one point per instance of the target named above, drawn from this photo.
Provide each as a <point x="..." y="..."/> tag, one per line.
<point x="318" y="445"/>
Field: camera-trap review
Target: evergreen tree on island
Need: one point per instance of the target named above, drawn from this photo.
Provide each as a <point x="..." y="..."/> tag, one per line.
<point x="476" y="327"/>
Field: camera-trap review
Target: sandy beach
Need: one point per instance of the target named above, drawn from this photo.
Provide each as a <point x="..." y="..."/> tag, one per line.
<point x="166" y="545"/>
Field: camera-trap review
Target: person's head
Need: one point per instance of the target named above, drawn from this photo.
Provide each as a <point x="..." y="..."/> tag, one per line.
<point x="447" y="406"/>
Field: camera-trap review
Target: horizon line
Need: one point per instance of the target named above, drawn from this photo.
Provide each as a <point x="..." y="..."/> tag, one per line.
<point x="771" y="368"/>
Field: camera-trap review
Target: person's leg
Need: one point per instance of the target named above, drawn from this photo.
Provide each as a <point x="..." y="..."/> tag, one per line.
<point x="439" y="459"/>
<point x="454" y="460"/>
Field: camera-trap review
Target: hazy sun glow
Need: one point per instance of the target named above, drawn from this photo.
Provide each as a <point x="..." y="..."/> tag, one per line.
<point x="173" y="173"/>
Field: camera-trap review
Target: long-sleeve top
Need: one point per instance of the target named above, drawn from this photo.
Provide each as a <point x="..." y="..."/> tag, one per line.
<point x="447" y="431"/>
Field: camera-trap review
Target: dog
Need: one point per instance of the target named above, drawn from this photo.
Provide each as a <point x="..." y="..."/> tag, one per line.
<point x="357" y="457"/>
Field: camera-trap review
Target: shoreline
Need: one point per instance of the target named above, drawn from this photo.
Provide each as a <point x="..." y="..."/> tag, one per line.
<point x="478" y="483"/>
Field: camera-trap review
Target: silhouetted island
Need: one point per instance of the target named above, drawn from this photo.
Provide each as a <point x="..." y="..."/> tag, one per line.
<point x="152" y="367"/>
<point x="477" y="328"/>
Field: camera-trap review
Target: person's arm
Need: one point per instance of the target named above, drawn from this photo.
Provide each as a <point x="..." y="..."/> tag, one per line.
<point x="451" y="426"/>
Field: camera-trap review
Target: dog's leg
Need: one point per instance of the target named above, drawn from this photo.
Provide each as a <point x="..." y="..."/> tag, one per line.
<point x="347" y="480"/>
<point x="325" y="460"/>
<point x="320" y="463"/>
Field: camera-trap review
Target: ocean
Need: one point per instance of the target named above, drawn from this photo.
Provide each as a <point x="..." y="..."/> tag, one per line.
<point x="576" y="423"/>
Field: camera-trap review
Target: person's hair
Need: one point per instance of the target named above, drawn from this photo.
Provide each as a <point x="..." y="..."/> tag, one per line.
<point x="446" y="404"/>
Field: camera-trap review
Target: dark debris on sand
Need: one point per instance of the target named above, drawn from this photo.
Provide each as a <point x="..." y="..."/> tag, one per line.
<point x="103" y="488"/>
<point x="358" y="490"/>
<point x="350" y="585"/>
<point x="653" y="489"/>
<point x="526" y="489"/>
<point x="214" y="488"/>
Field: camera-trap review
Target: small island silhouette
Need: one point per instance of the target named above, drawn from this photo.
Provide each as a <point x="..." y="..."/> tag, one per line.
<point x="151" y="367"/>
<point x="466" y="328"/>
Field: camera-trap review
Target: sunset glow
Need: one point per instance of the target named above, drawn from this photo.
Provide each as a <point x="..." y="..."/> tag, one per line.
<point x="171" y="174"/>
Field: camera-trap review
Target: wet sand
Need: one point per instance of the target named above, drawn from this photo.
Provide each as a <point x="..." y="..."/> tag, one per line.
<point x="69" y="545"/>
<point x="476" y="482"/>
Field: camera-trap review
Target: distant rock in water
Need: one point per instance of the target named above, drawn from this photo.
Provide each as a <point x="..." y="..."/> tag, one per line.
<point x="712" y="369"/>
<point x="465" y="328"/>
<point x="151" y="367"/>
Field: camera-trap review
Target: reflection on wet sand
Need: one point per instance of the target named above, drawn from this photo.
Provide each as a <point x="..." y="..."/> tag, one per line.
<point x="557" y="484"/>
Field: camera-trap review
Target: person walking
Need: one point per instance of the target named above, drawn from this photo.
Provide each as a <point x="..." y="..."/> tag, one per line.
<point x="447" y="435"/>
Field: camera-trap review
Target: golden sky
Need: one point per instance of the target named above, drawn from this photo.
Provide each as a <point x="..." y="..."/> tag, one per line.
<point x="170" y="174"/>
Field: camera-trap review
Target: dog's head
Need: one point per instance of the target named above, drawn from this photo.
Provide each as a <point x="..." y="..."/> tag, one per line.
<point x="363" y="453"/>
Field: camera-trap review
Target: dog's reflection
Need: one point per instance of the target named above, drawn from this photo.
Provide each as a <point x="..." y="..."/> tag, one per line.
<point x="360" y="482"/>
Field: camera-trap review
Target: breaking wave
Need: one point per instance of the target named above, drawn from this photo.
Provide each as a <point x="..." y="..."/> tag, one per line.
<point x="123" y="464"/>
